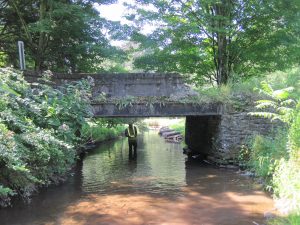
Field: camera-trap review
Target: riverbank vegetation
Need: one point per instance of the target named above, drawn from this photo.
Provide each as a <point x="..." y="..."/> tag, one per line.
<point x="243" y="94"/>
<point x="179" y="126"/>
<point x="276" y="158"/>
<point x="41" y="130"/>
<point x="98" y="130"/>
<point x="291" y="219"/>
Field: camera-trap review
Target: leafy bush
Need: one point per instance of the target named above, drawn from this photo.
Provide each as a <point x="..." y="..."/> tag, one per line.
<point x="180" y="126"/>
<point x="40" y="129"/>
<point x="277" y="159"/>
<point x="5" y="194"/>
<point x="286" y="178"/>
<point x="294" y="133"/>
<point x="99" y="130"/>
<point x="266" y="153"/>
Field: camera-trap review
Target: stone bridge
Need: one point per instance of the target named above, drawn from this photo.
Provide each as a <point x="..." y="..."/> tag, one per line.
<point x="139" y="95"/>
<point x="215" y="131"/>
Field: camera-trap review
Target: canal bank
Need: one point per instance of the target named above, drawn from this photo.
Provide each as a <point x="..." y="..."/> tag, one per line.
<point x="160" y="186"/>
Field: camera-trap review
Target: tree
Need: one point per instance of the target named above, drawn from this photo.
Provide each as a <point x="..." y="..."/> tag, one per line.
<point x="217" y="39"/>
<point x="61" y="35"/>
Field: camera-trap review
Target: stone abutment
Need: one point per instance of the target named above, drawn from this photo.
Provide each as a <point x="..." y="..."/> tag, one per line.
<point x="219" y="138"/>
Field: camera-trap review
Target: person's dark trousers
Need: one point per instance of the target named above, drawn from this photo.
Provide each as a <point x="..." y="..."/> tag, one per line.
<point x="132" y="146"/>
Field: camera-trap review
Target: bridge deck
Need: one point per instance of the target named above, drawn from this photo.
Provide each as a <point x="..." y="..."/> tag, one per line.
<point x="156" y="110"/>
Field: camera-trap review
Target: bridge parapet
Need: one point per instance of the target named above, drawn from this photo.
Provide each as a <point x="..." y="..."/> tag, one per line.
<point x="126" y="84"/>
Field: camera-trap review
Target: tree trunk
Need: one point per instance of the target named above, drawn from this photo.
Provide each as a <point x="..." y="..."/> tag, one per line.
<point x="222" y="69"/>
<point x="39" y="59"/>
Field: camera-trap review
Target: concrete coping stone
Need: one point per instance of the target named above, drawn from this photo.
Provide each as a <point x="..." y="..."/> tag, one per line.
<point x="76" y="76"/>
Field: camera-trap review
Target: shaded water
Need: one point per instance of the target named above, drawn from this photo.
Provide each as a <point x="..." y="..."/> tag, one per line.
<point x="160" y="186"/>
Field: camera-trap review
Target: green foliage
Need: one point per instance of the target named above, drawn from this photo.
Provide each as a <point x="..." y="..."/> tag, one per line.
<point x="64" y="36"/>
<point x="286" y="178"/>
<point x="277" y="159"/>
<point x="128" y="101"/>
<point x="124" y="102"/>
<point x="3" y="59"/>
<point x="221" y="94"/>
<point x="5" y="191"/>
<point x="215" y="41"/>
<point x="279" y="105"/>
<point x="40" y="129"/>
<point x="180" y="126"/>
<point x="286" y="183"/>
<point x="5" y="194"/>
<point x="97" y="131"/>
<point x="294" y="133"/>
<point x="241" y="95"/>
<point x="291" y="219"/>
<point x="265" y="154"/>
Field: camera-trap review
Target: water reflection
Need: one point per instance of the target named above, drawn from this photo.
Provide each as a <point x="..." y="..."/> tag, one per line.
<point x="157" y="168"/>
<point x="158" y="186"/>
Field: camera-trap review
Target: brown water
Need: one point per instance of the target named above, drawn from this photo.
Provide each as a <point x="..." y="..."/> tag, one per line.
<point x="159" y="187"/>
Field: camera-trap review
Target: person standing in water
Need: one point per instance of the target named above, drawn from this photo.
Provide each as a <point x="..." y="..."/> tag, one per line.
<point x="131" y="133"/>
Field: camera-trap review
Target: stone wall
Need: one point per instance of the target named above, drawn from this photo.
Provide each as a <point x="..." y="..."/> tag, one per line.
<point x="219" y="138"/>
<point x="235" y="130"/>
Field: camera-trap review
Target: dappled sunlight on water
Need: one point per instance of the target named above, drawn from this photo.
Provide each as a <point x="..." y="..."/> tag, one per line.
<point x="159" y="187"/>
<point x="192" y="208"/>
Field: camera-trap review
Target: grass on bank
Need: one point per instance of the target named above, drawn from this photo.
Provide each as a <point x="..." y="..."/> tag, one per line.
<point x="276" y="158"/>
<point x="98" y="131"/>
<point x="291" y="219"/>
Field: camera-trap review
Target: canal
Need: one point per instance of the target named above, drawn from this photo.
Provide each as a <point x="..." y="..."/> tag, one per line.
<point x="160" y="186"/>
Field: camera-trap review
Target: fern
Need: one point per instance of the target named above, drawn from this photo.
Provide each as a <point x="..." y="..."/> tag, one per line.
<point x="266" y="88"/>
<point x="268" y="115"/>
<point x="262" y="104"/>
<point x="279" y="106"/>
<point x="282" y="94"/>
